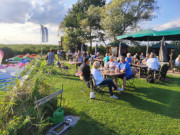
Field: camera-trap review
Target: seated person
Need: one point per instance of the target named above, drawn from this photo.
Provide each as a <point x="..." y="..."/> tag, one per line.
<point x="124" y="67"/>
<point x="79" y="58"/>
<point x="84" y="53"/>
<point x="152" y="63"/>
<point x="177" y="61"/>
<point x="88" y="55"/>
<point x="58" y="64"/>
<point x="106" y="59"/>
<point x="145" y="60"/>
<point x="69" y="53"/>
<point x="97" y="55"/>
<point x="99" y="80"/>
<point x="114" y="55"/>
<point x="129" y="58"/>
<point x="141" y="56"/>
<point x="75" y="54"/>
<point x="111" y="64"/>
<point x="85" y="69"/>
<point x="136" y="56"/>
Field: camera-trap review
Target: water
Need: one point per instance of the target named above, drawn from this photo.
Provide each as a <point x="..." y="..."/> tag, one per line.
<point x="61" y="128"/>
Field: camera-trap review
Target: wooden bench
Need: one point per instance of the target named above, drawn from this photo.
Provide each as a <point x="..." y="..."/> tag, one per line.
<point x="46" y="99"/>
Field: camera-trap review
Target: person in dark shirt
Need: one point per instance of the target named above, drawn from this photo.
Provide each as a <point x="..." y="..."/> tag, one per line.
<point x="85" y="69"/>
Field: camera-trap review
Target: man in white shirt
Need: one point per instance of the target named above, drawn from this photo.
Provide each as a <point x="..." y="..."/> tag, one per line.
<point x="152" y="63"/>
<point x="99" y="79"/>
<point x="177" y="61"/>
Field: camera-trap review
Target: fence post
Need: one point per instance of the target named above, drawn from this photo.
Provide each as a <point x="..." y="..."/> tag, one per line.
<point x="37" y="106"/>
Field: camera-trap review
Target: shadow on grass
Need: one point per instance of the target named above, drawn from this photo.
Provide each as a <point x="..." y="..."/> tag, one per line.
<point x="88" y="126"/>
<point x="71" y="78"/>
<point x="156" y="100"/>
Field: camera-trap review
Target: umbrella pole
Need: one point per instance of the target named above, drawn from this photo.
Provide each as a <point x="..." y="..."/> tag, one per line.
<point x="147" y="49"/>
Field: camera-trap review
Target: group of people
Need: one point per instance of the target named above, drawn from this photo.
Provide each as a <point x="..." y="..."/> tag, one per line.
<point x="122" y="67"/>
<point x="111" y="63"/>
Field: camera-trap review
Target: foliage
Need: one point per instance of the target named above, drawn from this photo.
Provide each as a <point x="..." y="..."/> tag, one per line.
<point x="17" y="111"/>
<point x="91" y="24"/>
<point x="177" y="50"/>
<point x="74" y="35"/>
<point x="153" y="108"/>
<point x="120" y="15"/>
<point x="13" y="50"/>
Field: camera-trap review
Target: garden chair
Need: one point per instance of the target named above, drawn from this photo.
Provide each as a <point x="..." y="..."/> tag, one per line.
<point x="130" y="81"/>
<point x="70" y="57"/>
<point x="88" y="84"/>
<point x="161" y="74"/>
<point x="158" y="75"/>
<point x="98" y="88"/>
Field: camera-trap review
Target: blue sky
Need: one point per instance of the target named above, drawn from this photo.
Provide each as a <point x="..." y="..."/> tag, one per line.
<point x="20" y="19"/>
<point x="169" y="11"/>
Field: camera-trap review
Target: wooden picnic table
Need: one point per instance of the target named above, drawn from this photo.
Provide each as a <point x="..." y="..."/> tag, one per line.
<point x="114" y="75"/>
<point x="141" y="68"/>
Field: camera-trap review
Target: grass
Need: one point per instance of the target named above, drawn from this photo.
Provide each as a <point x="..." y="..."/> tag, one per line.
<point x="149" y="109"/>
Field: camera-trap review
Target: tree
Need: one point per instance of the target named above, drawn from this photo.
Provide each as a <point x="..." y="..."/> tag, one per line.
<point x="96" y="3"/>
<point x="120" y="15"/>
<point x="91" y="24"/>
<point x="72" y="22"/>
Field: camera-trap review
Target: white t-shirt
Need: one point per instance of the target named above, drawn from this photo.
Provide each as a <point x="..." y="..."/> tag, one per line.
<point x="111" y="64"/>
<point x="153" y="63"/>
<point x="97" y="76"/>
<point x="177" y="63"/>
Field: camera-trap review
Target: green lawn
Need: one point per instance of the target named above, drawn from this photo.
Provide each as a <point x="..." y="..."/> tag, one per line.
<point x="149" y="109"/>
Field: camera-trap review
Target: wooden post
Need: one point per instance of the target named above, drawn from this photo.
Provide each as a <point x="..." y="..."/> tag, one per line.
<point x="61" y="96"/>
<point x="37" y="106"/>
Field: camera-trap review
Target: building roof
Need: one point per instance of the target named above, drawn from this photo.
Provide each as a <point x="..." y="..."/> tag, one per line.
<point x="169" y="46"/>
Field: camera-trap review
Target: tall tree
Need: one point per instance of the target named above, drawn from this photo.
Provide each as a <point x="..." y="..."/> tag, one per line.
<point x="122" y="14"/>
<point x="72" y="22"/>
<point x="91" y="24"/>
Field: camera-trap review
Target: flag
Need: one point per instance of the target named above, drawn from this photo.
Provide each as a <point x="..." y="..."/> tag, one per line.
<point x="44" y="34"/>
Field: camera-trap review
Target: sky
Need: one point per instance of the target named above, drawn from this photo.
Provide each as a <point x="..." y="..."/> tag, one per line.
<point x="20" y="19"/>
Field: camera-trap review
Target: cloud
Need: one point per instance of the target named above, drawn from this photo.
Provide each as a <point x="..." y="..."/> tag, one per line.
<point x="172" y="24"/>
<point x="36" y="11"/>
<point x="14" y="11"/>
<point x="48" y="12"/>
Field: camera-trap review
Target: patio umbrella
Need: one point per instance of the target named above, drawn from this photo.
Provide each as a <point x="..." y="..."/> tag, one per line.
<point x="143" y="35"/>
<point x="147" y="49"/>
<point x="120" y="50"/>
<point x="151" y="35"/>
<point x="163" y="51"/>
<point x="96" y="49"/>
<point x="82" y="48"/>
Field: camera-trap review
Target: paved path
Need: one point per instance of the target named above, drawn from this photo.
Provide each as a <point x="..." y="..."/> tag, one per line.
<point x="173" y="74"/>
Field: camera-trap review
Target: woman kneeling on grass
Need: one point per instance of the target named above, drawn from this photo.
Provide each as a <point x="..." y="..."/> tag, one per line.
<point x="99" y="80"/>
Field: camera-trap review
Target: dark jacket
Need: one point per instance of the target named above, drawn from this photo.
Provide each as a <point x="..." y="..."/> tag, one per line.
<point x="85" y="69"/>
